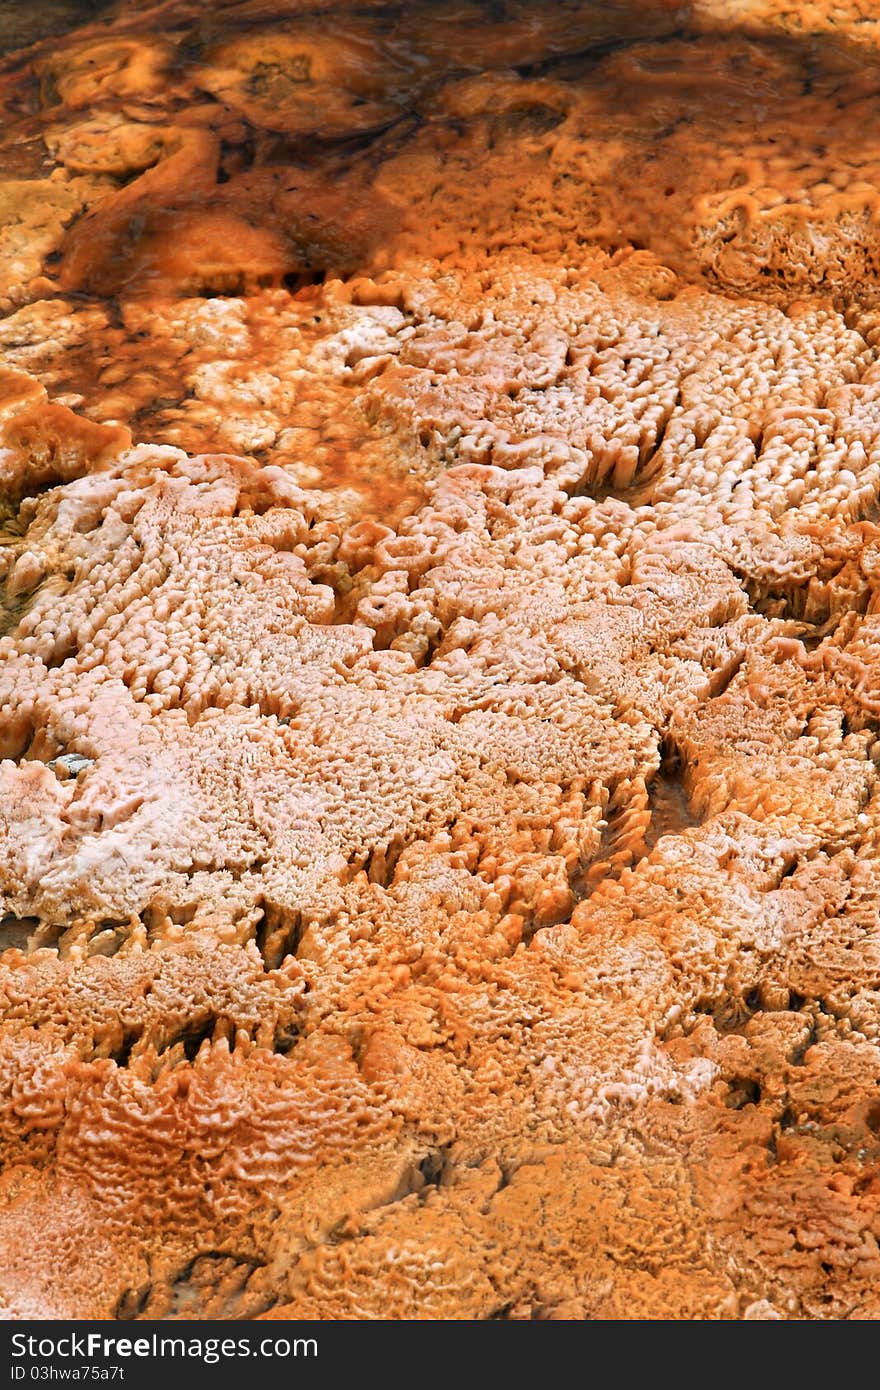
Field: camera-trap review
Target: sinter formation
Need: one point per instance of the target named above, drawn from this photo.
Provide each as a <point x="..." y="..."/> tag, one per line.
<point x="440" y="671"/>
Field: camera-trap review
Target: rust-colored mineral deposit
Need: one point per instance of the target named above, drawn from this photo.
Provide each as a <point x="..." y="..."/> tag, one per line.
<point x="440" y="660"/>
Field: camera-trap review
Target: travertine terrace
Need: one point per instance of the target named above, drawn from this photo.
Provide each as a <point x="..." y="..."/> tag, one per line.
<point x="440" y="671"/>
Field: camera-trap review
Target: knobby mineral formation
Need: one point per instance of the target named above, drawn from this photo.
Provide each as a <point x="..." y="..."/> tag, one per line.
<point x="440" y="671"/>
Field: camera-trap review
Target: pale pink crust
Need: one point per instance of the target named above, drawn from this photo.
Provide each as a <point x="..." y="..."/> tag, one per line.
<point x="440" y="664"/>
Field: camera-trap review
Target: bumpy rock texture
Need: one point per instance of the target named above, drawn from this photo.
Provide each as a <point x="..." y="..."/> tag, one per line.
<point x="440" y="815"/>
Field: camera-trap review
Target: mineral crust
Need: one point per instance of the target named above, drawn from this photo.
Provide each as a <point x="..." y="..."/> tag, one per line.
<point x="440" y="662"/>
